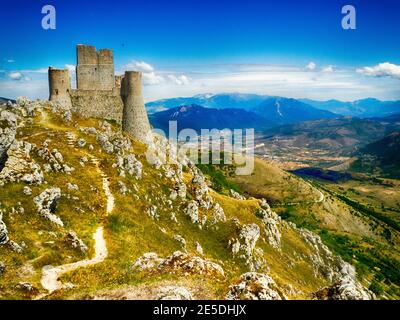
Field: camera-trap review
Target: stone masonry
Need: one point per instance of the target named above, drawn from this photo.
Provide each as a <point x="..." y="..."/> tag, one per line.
<point x="101" y="94"/>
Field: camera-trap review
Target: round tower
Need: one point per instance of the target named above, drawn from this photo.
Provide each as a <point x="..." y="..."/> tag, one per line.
<point x="134" y="118"/>
<point x="60" y="87"/>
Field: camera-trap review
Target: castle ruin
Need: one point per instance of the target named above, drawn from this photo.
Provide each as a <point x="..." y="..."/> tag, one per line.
<point x="101" y="94"/>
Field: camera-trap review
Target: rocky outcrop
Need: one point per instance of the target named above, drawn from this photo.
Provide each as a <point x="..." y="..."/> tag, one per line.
<point x="2" y="268"/>
<point x="46" y="204"/>
<point x="271" y="226"/>
<point x="192" y="211"/>
<point x="76" y="243"/>
<point x="173" y="293"/>
<point x="345" y="289"/>
<point x="236" y="195"/>
<point x="340" y="273"/>
<point x="54" y="159"/>
<point x="3" y="231"/>
<point x="8" y="130"/>
<point x="255" y="286"/>
<point x="20" y="167"/>
<point x="181" y="241"/>
<point x="130" y="165"/>
<point x="178" y="262"/>
<point x="244" y="245"/>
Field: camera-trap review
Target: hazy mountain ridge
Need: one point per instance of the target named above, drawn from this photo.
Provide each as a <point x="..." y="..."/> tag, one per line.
<point x="197" y="117"/>
<point x="365" y="108"/>
<point x="369" y="107"/>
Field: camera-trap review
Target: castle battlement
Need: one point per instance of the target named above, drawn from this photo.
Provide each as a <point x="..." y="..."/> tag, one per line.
<point x="101" y="94"/>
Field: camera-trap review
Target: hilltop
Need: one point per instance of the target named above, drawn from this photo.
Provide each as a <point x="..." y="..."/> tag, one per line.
<point x="84" y="215"/>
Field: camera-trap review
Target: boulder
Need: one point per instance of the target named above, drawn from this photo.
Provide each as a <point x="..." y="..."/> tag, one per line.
<point x="46" y="204"/>
<point x="255" y="286"/>
<point x="3" y="231"/>
<point x="173" y="293"/>
<point x="19" y="166"/>
<point x="178" y="262"/>
<point x="192" y="210"/>
<point x="75" y="242"/>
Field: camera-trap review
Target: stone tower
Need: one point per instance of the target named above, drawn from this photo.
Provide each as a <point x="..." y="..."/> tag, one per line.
<point x="134" y="118"/>
<point x="94" y="70"/>
<point x="101" y="94"/>
<point x="60" y="87"/>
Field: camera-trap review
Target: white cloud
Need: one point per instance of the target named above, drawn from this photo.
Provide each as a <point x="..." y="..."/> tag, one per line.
<point x="328" y="69"/>
<point x="10" y="60"/>
<point x="39" y="70"/>
<point x="385" y="69"/>
<point x="311" y="66"/>
<point x="179" y="80"/>
<point x="15" y="75"/>
<point x="151" y="78"/>
<point x="140" y="66"/>
<point x="70" y="67"/>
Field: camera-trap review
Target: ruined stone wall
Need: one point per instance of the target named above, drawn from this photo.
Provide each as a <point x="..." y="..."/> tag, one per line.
<point x="95" y="70"/>
<point x="59" y="87"/>
<point x="135" y="120"/>
<point x="98" y="104"/>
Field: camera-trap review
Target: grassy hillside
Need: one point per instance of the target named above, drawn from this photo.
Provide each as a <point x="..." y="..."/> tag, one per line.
<point x="147" y="216"/>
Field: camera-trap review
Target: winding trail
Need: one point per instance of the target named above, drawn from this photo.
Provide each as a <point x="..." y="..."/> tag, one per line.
<point x="50" y="274"/>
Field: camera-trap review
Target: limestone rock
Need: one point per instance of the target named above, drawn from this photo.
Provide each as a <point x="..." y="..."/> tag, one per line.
<point x="2" y="268"/>
<point x="192" y="210"/>
<point x="178" y="262"/>
<point x="3" y="231"/>
<point x="244" y="246"/>
<point x="271" y="222"/>
<point x="181" y="240"/>
<point x="173" y="293"/>
<point x="236" y="195"/>
<point x="75" y="242"/>
<point x="346" y="289"/>
<point x="15" y="246"/>
<point x="20" y="166"/>
<point x="255" y="286"/>
<point x="199" y="248"/>
<point x="130" y="165"/>
<point x="149" y="260"/>
<point x="81" y="143"/>
<point x="218" y="213"/>
<point x="27" y="191"/>
<point x="122" y="187"/>
<point x="8" y="130"/>
<point x="152" y="212"/>
<point x="72" y="186"/>
<point x="46" y="203"/>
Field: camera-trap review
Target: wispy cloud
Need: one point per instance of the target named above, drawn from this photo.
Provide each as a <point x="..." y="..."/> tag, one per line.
<point x="311" y="80"/>
<point x="153" y="77"/>
<point x="311" y="66"/>
<point x="15" y="75"/>
<point x="385" y="69"/>
<point x="328" y="69"/>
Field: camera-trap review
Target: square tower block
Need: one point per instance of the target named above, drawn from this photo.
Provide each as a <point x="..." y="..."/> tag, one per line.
<point x="94" y="70"/>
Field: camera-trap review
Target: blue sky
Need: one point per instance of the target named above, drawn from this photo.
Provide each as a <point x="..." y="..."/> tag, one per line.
<point x="290" y="48"/>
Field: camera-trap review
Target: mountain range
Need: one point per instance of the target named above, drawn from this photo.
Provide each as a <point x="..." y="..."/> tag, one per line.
<point x="269" y="112"/>
<point x="197" y="117"/>
<point x="364" y="108"/>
